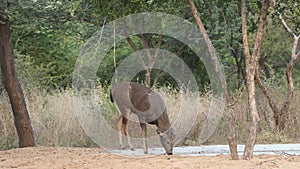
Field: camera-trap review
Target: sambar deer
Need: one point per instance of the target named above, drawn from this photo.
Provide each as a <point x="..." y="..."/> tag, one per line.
<point x="148" y="106"/>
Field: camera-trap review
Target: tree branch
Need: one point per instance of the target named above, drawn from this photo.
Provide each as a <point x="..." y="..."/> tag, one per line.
<point x="137" y="52"/>
<point x="156" y="55"/>
<point x="245" y="32"/>
<point x="158" y="46"/>
<point x="146" y="46"/>
<point x="268" y="95"/>
<point x="286" y="27"/>
<point x="261" y="30"/>
<point x="295" y="55"/>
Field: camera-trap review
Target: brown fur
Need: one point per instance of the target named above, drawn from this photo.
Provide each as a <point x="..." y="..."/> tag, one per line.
<point x="146" y="104"/>
<point x="139" y="97"/>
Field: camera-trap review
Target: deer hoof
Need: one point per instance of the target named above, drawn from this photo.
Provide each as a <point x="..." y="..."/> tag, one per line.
<point x="132" y="149"/>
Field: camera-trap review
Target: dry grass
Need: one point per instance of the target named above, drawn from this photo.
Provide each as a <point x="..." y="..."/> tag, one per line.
<point x="52" y="117"/>
<point x="55" y="122"/>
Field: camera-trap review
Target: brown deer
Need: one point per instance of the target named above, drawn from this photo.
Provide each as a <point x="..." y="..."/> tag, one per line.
<point x="148" y="106"/>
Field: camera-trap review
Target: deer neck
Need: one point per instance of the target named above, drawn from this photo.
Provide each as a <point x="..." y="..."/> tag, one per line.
<point x="163" y="122"/>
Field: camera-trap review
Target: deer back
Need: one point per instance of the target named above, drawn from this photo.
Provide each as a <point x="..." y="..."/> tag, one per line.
<point x="141" y="100"/>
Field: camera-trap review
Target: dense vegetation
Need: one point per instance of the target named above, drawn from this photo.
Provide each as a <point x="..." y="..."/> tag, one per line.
<point x="47" y="36"/>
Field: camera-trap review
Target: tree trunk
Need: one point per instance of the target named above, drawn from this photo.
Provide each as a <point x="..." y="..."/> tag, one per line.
<point x="139" y="56"/>
<point x="148" y="77"/>
<point x="250" y="71"/>
<point x="11" y="83"/>
<point x="251" y="67"/>
<point x="281" y="114"/>
<point x="272" y="103"/>
<point x="241" y="79"/>
<point x="289" y="78"/>
<point x="151" y="57"/>
<point x="231" y="112"/>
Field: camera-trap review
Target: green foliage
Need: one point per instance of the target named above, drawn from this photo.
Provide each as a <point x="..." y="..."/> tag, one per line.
<point x="106" y="68"/>
<point x="223" y="24"/>
<point x="276" y="50"/>
<point x="47" y="35"/>
<point x="290" y="10"/>
<point x="119" y="8"/>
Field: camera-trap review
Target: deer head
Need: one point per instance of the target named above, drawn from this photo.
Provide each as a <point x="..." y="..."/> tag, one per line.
<point x="167" y="140"/>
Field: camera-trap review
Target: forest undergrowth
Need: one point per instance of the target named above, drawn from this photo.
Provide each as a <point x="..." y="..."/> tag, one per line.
<point x="55" y="123"/>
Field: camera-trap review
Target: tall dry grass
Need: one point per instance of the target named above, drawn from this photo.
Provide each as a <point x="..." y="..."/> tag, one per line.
<point x="55" y="122"/>
<point x="53" y="119"/>
<point x="267" y="133"/>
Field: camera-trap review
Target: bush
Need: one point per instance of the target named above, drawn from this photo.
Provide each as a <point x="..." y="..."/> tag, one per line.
<point x="55" y="122"/>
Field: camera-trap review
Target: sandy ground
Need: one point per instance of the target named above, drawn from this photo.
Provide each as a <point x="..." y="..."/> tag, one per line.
<point x="85" y="158"/>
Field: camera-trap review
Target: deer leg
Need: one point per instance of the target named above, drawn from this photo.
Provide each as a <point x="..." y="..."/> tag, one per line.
<point x="119" y="128"/>
<point x="125" y="128"/>
<point x="144" y="132"/>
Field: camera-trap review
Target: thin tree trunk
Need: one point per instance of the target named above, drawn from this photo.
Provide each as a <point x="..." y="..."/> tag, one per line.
<point x="239" y="71"/>
<point x="178" y="53"/>
<point x="251" y="67"/>
<point x="151" y="59"/>
<point x="139" y="56"/>
<point x="239" y="65"/>
<point x="272" y="103"/>
<point x="281" y="114"/>
<point x="250" y="71"/>
<point x="11" y="83"/>
<point x="295" y="56"/>
<point x="231" y="112"/>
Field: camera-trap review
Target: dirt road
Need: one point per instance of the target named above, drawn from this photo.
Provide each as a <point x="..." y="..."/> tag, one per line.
<point x="70" y="158"/>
